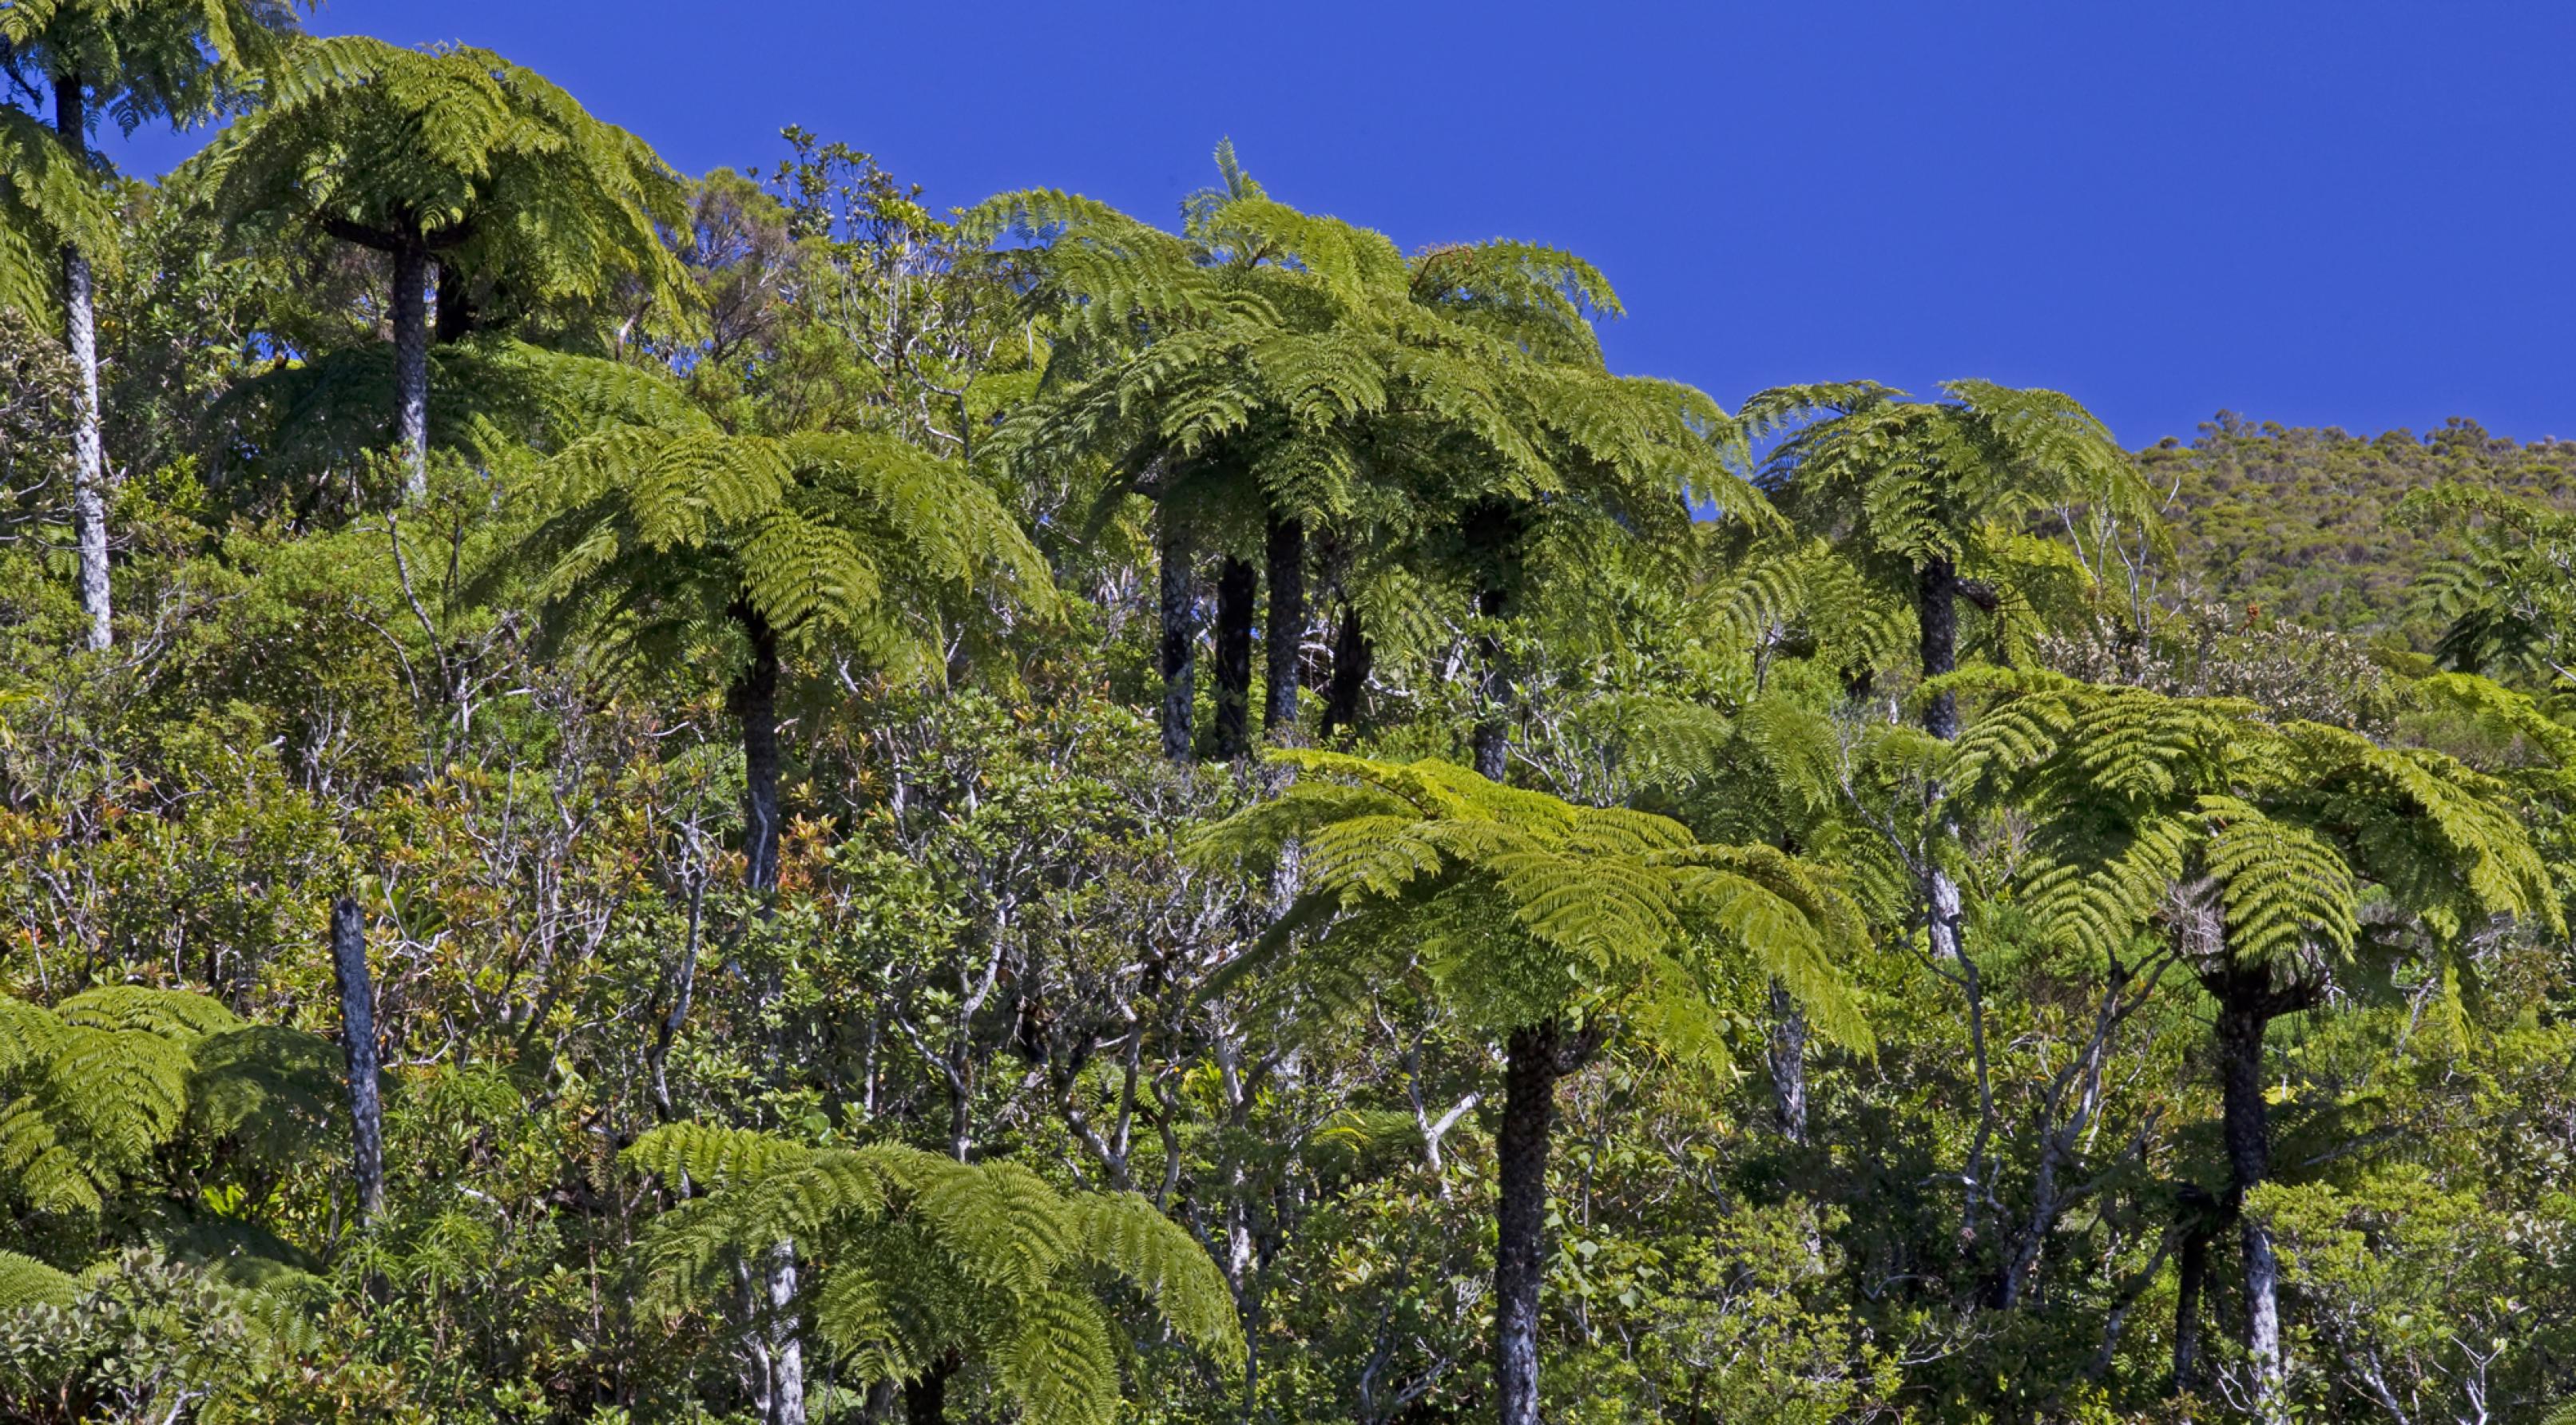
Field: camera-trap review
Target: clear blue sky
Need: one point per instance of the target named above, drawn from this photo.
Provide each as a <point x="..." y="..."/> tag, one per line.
<point x="2356" y="214"/>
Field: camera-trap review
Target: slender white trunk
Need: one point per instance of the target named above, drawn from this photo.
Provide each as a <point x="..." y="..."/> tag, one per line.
<point x="89" y="448"/>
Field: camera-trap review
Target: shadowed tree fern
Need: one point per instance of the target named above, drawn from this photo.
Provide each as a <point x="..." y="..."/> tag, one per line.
<point x="1933" y="497"/>
<point x="927" y="1266"/>
<point x="2508" y="605"/>
<point x="1545" y="923"/>
<point x="460" y="158"/>
<point x="2254" y="844"/>
<point x="1266" y="374"/>
<point x="852" y="543"/>
<point x="49" y="199"/>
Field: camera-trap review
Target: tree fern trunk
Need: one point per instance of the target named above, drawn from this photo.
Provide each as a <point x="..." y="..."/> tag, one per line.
<point x="1177" y="598"/>
<point x="755" y="701"/>
<point x="411" y="366"/>
<point x="1493" y="736"/>
<point x="358" y="1049"/>
<point x="457" y="318"/>
<point x="1788" y="1065"/>
<point x="1936" y="610"/>
<point x="925" y="1396"/>
<point x="1534" y="1062"/>
<point x="89" y="447"/>
<point x="1285" y="637"/>
<point x="786" y="1348"/>
<point x="2244" y="1013"/>
<point x="1352" y="657"/>
<point x="2192" y="1275"/>
<point x="1237" y="586"/>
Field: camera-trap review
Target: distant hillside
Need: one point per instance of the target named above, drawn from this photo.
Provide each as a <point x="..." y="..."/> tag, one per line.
<point x="2300" y="521"/>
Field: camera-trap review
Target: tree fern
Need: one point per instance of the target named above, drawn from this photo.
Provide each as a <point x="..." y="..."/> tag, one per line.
<point x="455" y="156"/>
<point x="921" y="1256"/>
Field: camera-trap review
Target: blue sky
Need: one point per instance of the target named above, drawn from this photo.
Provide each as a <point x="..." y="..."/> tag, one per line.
<point x="2356" y="214"/>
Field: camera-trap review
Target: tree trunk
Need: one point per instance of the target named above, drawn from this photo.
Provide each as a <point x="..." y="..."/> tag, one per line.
<point x="1177" y="590"/>
<point x="1285" y="637"/>
<point x="1352" y="656"/>
<point x="358" y="1049"/>
<point x="1535" y="1058"/>
<point x="786" y="1349"/>
<point x="2192" y="1269"/>
<point x="1936" y="610"/>
<point x="925" y="1396"/>
<point x="89" y="447"/>
<point x="2244" y="1013"/>
<point x="411" y="366"/>
<point x="1493" y="740"/>
<point x="755" y="701"/>
<point x="1788" y="1065"/>
<point x="1237" y="586"/>
<point x="457" y="318"/>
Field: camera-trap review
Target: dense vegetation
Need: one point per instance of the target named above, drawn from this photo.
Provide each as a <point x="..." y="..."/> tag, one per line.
<point x="639" y="798"/>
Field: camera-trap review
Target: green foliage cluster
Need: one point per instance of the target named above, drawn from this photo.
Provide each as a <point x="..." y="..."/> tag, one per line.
<point x="2304" y="524"/>
<point x="1857" y="908"/>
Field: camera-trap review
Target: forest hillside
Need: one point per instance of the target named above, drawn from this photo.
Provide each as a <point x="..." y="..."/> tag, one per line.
<point x="763" y="797"/>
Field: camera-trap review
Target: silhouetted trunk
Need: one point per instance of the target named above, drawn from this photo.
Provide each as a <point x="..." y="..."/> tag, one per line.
<point x="1352" y="657"/>
<point x="358" y="1050"/>
<point x="2192" y="1276"/>
<point x="1493" y="741"/>
<point x="411" y="365"/>
<point x="1238" y="585"/>
<point x="1178" y="601"/>
<point x="755" y="701"/>
<point x="1285" y="637"/>
<point x="1788" y="1065"/>
<point x="925" y="1396"/>
<point x="1936" y="610"/>
<point x="457" y="318"/>
<point x="2246" y="1005"/>
<point x="1535" y="1058"/>
<point x="89" y="447"/>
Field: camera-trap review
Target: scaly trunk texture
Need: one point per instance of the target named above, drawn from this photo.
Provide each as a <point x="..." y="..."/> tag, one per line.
<point x="1493" y="744"/>
<point x="1238" y="585"/>
<point x="1285" y="636"/>
<point x="1178" y="600"/>
<point x="1533" y="1064"/>
<point x="1352" y="656"/>
<point x="1788" y="1065"/>
<point x="755" y="701"/>
<point x="411" y="366"/>
<point x="2246" y="1005"/>
<point x="358" y="1048"/>
<point x="89" y="448"/>
<point x="1936" y="610"/>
